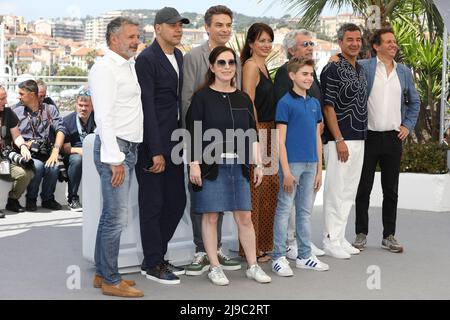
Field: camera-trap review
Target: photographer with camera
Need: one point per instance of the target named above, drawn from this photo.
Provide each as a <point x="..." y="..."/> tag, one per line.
<point x="78" y="124"/>
<point x="42" y="128"/>
<point x="12" y="170"/>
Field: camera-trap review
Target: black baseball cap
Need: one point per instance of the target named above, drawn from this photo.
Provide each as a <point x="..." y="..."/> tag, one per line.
<point x="169" y="15"/>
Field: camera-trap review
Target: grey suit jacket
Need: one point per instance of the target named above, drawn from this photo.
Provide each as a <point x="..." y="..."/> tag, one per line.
<point x="195" y="66"/>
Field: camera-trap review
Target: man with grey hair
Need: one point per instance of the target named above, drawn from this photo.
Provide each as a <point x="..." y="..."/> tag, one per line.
<point x="298" y="44"/>
<point x="116" y="95"/>
<point x="42" y="93"/>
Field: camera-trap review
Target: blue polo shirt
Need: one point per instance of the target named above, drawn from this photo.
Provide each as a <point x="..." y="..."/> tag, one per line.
<point x="301" y="117"/>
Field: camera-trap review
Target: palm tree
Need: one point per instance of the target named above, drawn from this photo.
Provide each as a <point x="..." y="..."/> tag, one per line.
<point x="389" y="10"/>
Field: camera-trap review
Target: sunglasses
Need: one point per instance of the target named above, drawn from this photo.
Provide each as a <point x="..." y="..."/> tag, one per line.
<point x="308" y="43"/>
<point x="84" y="93"/>
<point x="222" y="63"/>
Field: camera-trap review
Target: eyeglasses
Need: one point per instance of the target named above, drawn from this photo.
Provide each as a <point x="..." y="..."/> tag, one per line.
<point x="305" y="44"/>
<point x="222" y="63"/>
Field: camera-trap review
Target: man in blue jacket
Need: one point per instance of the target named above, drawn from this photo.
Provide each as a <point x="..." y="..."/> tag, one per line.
<point x="162" y="196"/>
<point x="78" y="124"/>
<point x="393" y="108"/>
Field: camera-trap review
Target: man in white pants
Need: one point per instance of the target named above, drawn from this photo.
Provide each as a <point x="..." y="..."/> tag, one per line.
<point x="344" y="87"/>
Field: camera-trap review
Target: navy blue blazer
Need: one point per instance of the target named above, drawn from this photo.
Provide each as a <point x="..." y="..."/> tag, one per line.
<point x="161" y="98"/>
<point x="410" y="100"/>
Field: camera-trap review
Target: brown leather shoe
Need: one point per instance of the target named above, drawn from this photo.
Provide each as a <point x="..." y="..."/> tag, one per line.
<point x="122" y="289"/>
<point x="98" y="280"/>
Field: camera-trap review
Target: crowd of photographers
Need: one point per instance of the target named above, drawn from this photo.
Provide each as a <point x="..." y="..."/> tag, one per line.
<point x="39" y="147"/>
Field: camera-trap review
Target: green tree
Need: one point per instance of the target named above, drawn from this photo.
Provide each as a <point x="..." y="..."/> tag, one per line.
<point x="11" y="54"/>
<point x="90" y="58"/>
<point x="71" y="71"/>
<point x="389" y="10"/>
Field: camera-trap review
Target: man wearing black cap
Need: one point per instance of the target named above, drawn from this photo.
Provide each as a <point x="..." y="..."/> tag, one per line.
<point x="162" y="195"/>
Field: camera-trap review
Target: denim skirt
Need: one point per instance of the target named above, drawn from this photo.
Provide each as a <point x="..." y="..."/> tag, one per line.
<point x="230" y="191"/>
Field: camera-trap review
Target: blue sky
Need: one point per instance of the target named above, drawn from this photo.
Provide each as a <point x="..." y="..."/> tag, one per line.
<point x="81" y="8"/>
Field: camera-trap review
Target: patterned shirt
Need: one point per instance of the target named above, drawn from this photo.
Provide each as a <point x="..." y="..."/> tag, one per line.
<point x="40" y="125"/>
<point x="345" y="89"/>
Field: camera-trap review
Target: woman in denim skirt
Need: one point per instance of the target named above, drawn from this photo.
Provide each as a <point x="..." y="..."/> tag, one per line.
<point x="220" y="159"/>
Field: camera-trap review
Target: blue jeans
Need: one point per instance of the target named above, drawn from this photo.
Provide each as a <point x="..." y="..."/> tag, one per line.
<point x="303" y="197"/>
<point x="49" y="178"/>
<point x="114" y="213"/>
<point x="74" y="166"/>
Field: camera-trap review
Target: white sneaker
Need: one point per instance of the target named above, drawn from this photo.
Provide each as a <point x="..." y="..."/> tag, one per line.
<point x="335" y="250"/>
<point x="291" y="252"/>
<point x="281" y="267"/>
<point x="255" y="272"/>
<point x="316" y="251"/>
<point x="217" y="276"/>
<point x="348" y="247"/>
<point x="312" y="263"/>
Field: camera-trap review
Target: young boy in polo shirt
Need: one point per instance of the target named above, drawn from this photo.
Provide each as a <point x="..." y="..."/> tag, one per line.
<point x="298" y="117"/>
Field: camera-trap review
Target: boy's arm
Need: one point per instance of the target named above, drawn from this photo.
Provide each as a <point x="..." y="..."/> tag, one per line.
<point x="288" y="178"/>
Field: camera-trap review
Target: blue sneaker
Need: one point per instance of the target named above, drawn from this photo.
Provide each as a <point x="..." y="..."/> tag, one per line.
<point x="162" y="274"/>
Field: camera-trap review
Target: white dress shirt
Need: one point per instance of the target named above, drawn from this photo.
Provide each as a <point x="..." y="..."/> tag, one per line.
<point x="384" y="103"/>
<point x="116" y="97"/>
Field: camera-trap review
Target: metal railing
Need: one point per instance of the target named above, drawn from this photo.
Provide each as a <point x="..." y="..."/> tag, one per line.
<point x="62" y="92"/>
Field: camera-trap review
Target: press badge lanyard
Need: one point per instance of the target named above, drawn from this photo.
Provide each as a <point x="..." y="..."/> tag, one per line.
<point x="30" y="119"/>
<point x="82" y="131"/>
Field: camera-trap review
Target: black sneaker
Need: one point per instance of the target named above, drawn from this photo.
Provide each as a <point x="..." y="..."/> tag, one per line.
<point x="51" y="204"/>
<point x="178" y="271"/>
<point x="31" y="204"/>
<point x="162" y="275"/>
<point x="2" y="215"/>
<point x="75" y="205"/>
<point x="14" y="205"/>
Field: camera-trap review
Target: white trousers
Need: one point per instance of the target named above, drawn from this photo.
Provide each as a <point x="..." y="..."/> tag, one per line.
<point x="340" y="187"/>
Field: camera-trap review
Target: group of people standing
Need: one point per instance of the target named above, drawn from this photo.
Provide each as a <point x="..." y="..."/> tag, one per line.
<point x="139" y="104"/>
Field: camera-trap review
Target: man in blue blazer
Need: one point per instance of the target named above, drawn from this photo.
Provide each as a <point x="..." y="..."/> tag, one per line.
<point x="393" y="109"/>
<point x="162" y="196"/>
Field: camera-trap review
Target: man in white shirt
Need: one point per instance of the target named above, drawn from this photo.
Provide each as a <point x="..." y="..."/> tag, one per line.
<point x="393" y="108"/>
<point x="116" y="95"/>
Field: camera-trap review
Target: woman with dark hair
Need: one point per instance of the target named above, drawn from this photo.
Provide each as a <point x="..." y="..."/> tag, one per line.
<point x="257" y="84"/>
<point x="220" y="173"/>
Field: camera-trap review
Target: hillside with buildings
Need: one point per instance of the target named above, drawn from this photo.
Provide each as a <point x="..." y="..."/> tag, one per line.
<point x="48" y="46"/>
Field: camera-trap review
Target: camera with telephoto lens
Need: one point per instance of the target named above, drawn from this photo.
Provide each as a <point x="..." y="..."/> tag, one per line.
<point x="17" y="158"/>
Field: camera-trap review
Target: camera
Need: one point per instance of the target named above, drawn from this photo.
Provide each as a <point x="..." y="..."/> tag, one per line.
<point x="16" y="158"/>
<point x="63" y="176"/>
<point x="40" y="150"/>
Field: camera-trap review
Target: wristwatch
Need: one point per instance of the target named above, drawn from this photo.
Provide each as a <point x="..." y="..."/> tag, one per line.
<point x="339" y="139"/>
<point x="56" y="146"/>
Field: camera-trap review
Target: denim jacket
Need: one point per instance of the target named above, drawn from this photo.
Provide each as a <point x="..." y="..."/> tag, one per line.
<point x="410" y="100"/>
